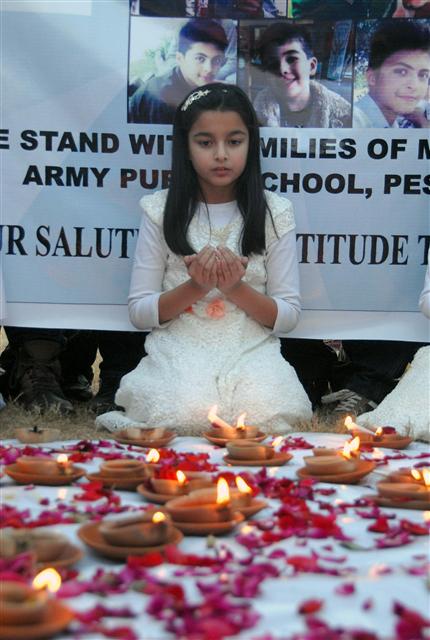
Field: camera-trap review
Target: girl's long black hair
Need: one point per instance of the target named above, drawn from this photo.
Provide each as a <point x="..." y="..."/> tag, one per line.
<point x="184" y="191"/>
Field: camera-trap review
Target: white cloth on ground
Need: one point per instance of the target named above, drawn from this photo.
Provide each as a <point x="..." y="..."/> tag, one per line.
<point x="215" y="353"/>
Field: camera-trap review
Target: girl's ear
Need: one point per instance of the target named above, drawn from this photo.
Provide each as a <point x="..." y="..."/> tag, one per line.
<point x="313" y="63"/>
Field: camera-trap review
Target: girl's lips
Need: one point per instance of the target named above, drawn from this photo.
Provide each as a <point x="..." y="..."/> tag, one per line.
<point x="221" y="170"/>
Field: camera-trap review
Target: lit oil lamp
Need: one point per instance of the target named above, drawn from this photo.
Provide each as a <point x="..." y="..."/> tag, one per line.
<point x="21" y="604"/>
<point x="137" y="531"/>
<point x="220" y="428"/>
<point x="37" y="465"/>
<point x="245" y="430"/>
<point x="204" y="505"/>
<point x="63" y="464"/>
<point x="246" y="450"/>
<point x="415" y="486"/>
<point x="342" y="462"/>
<point x="244" y="494"/>
<point x="170" y="486"/>
<point x="366" y="436"/>
<point x="122" y="468"/>
<point x="406" y="474"/>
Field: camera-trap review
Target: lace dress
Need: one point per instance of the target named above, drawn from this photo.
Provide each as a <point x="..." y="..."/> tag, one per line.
<point x="213" y="353"/>
<point x="407" y="407"/>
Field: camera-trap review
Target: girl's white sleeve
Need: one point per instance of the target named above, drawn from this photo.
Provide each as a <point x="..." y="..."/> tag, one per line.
<point x="424" y="302"/>
<point x="283" y="281"/>
<point x="147" y="275"/>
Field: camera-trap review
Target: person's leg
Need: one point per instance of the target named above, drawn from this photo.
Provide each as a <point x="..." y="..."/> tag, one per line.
<point x="369" y="374"/>
<point x="313" y="361"/>
<point x="121" y="352"/>
<point x="33" y="368"/>
<point x="76" y="363"/>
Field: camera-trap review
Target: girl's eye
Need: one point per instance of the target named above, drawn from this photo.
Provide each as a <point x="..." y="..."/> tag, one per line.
<point x="400" y="72"/>
<point x="204" y="143"/>
<point x="235" y="143"/>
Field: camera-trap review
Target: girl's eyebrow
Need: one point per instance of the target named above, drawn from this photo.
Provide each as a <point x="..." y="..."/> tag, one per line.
<point x="235" y="132"/>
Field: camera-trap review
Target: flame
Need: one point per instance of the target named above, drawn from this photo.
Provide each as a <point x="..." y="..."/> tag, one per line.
<point x="153" y="456"/>
<point x="222" y="492"/>
<point x="181" y="477"/>
<point x="62" y="459"/>
<point x="216" y="420"/>
<point x="158" y="517"/>
<point x="48" y="579"/>
<point x="349" y="424"/>
<point x="240" y="424"/>
<point x="426" y="477"/>
<point x="379" y="431"/>
<point x="377" y="454"/>
<point x="242" y="486"/>
<point x="350" y="448"/>
<point x="415" y="474"/>
<point x="277" y="441"/>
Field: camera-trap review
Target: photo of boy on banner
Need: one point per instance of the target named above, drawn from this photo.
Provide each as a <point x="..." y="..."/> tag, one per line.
<point x="168" y="58"/>
<point x="392" y="71"/>
<point x="287" y="71"/>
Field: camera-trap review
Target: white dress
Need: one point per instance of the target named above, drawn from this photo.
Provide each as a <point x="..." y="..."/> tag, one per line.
<point x="213" y="353"/>
<point x="407" y="407"/>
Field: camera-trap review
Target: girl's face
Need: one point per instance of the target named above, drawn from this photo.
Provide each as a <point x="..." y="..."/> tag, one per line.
<point x="218" y="145"/>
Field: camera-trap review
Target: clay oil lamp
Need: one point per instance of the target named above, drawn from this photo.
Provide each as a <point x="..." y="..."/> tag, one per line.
<point x="46" y="545"/>
<point x="37" y="465"/>
<point x="137" y="433"/>
<point x="341" y="462"/>
<point x="220" y="428"/>
<point x="243" y="495"/>
<point x="170" y="486"/>
<point x="245" y="430"/>
<point x="22" y="604"/>
<point x="146" y="530"/>
<point x="417" y="489"/>
<point x="203" y="506"/>
<point x="382" y="436"/>
<point x="64" y="466"/>
<point x="405" y="474"/>
<point x="181" y="484"/>
<point x="388" y="436"/>
<point x="152" y="459"/>
<point x="122" y="469"/>
<point x="366" y="436"/>
<point x="246" y="450"/>
<point x="36" y="435"/>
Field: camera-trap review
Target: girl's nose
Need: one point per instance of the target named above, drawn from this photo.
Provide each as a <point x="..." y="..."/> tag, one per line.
<point x="220" y="151"/>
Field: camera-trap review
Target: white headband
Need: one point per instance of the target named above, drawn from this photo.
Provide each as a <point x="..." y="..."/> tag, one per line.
<point x="196" y="95"/>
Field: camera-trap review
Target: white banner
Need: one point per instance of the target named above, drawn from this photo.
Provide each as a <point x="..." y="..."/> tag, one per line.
<point x="74" y="169"/>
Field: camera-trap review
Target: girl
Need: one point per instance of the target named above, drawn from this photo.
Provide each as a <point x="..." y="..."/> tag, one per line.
<point x="215" y="277"/>
<point x="407" y="407"/>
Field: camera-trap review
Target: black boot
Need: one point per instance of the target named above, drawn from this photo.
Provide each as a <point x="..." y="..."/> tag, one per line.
<point x="35" y="380"/>
<point x="104" y="400"/>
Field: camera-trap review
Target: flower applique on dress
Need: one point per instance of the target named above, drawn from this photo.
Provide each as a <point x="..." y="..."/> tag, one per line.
<point x="215" y="309"/>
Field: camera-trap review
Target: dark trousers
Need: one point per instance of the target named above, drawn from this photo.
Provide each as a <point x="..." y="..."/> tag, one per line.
<point x="373" y="366"/>
<point x="371" y="369"/>
<point x="314" y="363"/>
<point x="121" y="351"/>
